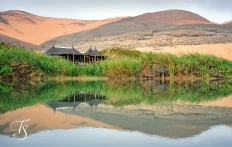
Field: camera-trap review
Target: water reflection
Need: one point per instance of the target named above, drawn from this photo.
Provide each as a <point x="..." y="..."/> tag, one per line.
<point x="116" y="93"/>
<point x="169" y="109"/>
<point x="99" y="137"/>
<point x="73" y="100"/>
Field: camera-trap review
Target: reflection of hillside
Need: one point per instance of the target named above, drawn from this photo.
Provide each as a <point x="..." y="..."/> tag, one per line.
<point x="174" y="121"/>
<point x="42" y="118"/>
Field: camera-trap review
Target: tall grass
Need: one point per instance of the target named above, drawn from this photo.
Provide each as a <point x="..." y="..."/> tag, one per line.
<point x="120" y="63"/>
<point x="52" y="66"/>
<point x="118" y="67"/>
<point x="89" y="70"/>
<point x="121" y="67"/>
<point x="189" y="64"/>
<point x="117" y="52"/>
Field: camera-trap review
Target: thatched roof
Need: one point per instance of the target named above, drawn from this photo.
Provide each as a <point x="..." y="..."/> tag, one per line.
<point x="60" y="50"/>
<point x="93" y="52"/>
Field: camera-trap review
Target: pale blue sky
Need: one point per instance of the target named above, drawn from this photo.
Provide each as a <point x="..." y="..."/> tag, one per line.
<point x="218" y="11"/>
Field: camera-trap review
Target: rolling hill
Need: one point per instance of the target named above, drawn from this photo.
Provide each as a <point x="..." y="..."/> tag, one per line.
<point x="18" y="43"/>
<point x="37" y="29"/>
<point x="176" y="17"/>
<point x="154" y="30"/>
<point x="168" y="31"/>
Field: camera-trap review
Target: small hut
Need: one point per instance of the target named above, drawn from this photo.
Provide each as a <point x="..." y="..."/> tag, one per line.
<point x="92" y="55"/>
<point x="68" y="53"/>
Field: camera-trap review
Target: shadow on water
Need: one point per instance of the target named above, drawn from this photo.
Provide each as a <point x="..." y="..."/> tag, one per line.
<point x="116" y="93"/>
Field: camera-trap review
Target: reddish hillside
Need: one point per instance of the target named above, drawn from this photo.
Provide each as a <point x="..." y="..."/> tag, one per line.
<point x="36" y="29"/>
<point x="176" y="17"/>
<point x="17" y="42"/>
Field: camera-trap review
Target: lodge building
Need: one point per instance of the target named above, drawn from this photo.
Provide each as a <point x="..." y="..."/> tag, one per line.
<point x="71" y="54"/>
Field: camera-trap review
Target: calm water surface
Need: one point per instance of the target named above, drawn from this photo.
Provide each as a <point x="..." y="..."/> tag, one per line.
<point x="116" y="113"/>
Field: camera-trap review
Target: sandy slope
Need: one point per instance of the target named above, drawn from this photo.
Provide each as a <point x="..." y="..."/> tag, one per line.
<point x="36" y="29"/>
<point x="219" y="50"/>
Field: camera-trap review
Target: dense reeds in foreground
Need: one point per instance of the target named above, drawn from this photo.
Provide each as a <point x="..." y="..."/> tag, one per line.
<point x="131" y="63"/>
<point x="121" y="63"/>
<point x="19" y="62"/>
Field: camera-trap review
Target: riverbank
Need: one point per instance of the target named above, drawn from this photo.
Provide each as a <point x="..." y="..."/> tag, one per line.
<point x="18" y="63"/>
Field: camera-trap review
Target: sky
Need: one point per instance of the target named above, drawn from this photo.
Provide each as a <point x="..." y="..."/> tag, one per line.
<point x="218" y="11"/>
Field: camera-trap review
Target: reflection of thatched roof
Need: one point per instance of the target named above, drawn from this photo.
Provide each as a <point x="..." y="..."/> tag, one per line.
<point x="59" y="51"/>
<point x="56" y="105"/>
<point x="93" y="52"/>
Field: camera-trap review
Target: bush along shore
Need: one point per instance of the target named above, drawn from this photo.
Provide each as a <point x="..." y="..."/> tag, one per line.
<point x="17" y="63"/>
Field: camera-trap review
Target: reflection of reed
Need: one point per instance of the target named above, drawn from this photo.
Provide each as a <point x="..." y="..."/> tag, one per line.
<point x="157" y="85"/>
<point x="117" y="92"/>
<point x="164" y="91"/>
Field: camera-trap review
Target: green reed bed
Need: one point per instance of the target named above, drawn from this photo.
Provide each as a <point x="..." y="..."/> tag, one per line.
<point x="51" y="66"/>
<point x="190" y="64"/>
<point x="121" y="67"/>
<point x="129" y="64"/>
<point x="116" y="52"/>
<point x="121" y="63"/>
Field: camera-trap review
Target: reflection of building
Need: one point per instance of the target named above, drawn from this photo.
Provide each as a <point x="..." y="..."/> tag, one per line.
<point x="91" y="55"/>
<point x="61" y="105"/>
<point x="72" y="101"/>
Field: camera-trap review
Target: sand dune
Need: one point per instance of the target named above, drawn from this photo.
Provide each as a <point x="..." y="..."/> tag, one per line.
<point x="219" y="50"/>
<point x="36" y="29"/>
